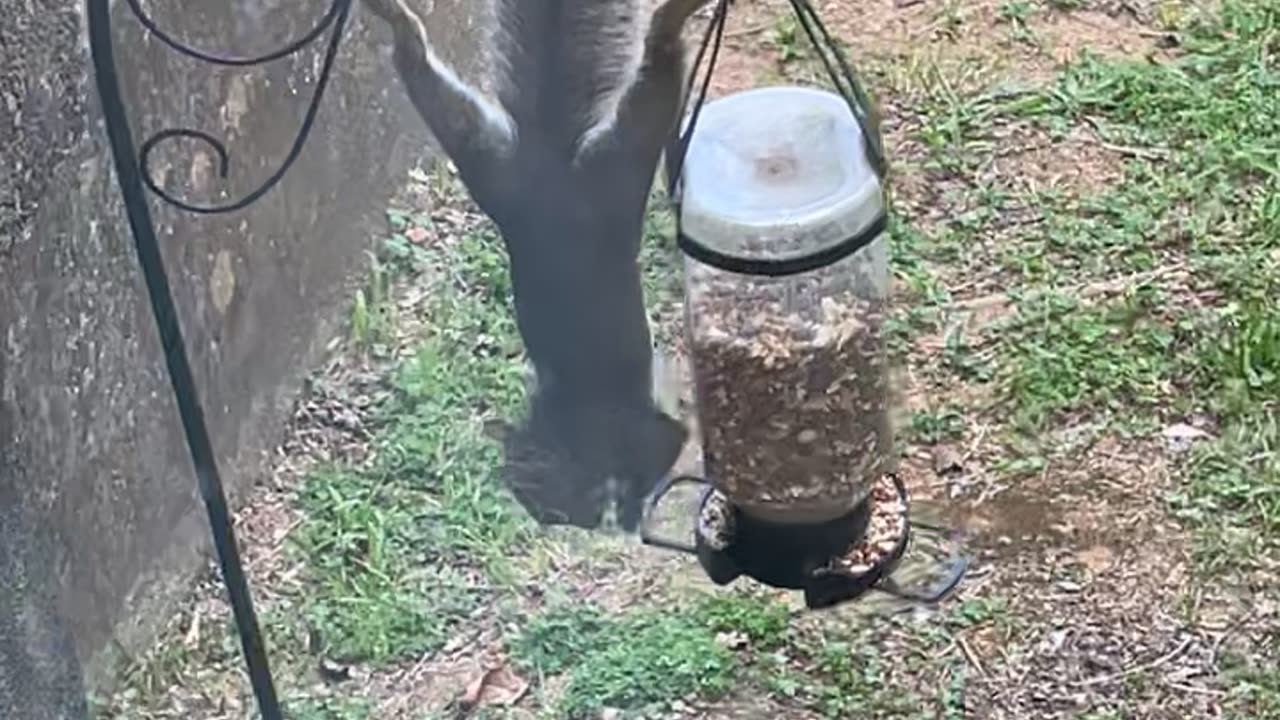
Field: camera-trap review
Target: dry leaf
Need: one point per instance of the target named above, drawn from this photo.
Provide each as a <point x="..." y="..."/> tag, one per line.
<point x="192" y="638"/>
<point x="496" y="686"/>
<point x="417" y="235"/>
<point x="1180" y="437"/>
<point x="1097" y="558"/>
<point x="733" y="640"/>
<point x="946" y="460"/>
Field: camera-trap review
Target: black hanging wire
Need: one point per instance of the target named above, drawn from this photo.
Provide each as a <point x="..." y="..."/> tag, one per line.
<point x="847" y="86"/>
<point x="678" y="148"/>
<point x="134" y="178"/>
<point x="845" y="81"/>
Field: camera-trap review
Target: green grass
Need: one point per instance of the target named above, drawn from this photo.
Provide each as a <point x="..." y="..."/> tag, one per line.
<point x="373" y="314"/>
<point x="329" y="708"/>
<point x="1233" y="492"/>
<point x="1242" y="355"/>
<point x="657" y="657"/>
<point x="853" y="680"/>
<point x="844" y="670"/>
<point x="1071" y="358"/>
<point x="560" y="637"/>
<point x="1016" y="14"/>
<point x="979" y="611"/>
<point x="936" y="425"/>
<point x="400" y="548"/>
<point x="788" y="39"/>
<point x="650" y="657"/>
<point x="662" y="268"/>
<point x="369" y="598"/>
<point x="1199" y="194"/>
<point x="765" y="624"/>
<point x="1211" y="187"/>
<point x="1255" y="693"/>
<point x="373" y="317"/>
<point x="641" y="659"/>
<point x="922" y="292"/>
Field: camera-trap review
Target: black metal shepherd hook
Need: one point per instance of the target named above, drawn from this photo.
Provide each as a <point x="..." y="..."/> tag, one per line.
<point x="134" y="178"/>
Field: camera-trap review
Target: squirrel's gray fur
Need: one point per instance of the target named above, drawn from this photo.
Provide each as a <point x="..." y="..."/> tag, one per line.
<point x="562" y="157"/>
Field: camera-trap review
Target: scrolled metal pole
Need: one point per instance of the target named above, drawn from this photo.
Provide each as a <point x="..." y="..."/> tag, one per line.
<point x="134" y="182"/>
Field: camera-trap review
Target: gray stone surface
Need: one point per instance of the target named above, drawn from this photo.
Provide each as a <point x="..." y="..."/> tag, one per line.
<point x="101" y="529"/>
<point x="40" y="676"/>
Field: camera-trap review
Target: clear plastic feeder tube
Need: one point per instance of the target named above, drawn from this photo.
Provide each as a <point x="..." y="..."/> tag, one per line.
<point x="791" y="377"/>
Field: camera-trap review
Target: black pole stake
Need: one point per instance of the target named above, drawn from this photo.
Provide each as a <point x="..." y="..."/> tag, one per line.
<point x="134" y="183"/>
<point x="129" y="175"/>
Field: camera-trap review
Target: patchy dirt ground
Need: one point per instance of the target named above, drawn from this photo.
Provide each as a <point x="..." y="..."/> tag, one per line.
<point x="1085" y="272"/>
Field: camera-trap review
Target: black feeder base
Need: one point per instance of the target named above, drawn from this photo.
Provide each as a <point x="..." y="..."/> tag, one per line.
<point x="800" y="557"/>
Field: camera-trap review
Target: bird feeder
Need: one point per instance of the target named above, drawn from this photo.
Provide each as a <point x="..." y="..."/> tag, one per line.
<point x="782" y="215"/>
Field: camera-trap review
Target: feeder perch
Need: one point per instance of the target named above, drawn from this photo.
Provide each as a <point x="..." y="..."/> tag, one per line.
<point x="782" y="216"/>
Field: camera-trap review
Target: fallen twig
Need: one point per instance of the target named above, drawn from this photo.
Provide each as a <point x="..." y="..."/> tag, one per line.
<point x="1142" y="152"/>
<point x="744" y="32"/>
<point x="972" y="450"/>
<point x="1230" y="630"/>
<point x="946" y="650"/>
<point x="1195" y="689"/>
<point x="971" y="656"/>
<point x="1110" y="677"/>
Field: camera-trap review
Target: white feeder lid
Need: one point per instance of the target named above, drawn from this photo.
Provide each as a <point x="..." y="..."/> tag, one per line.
<point x="778" y="172"/>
